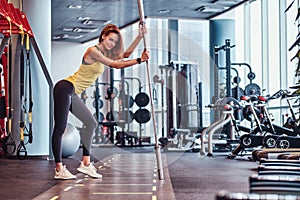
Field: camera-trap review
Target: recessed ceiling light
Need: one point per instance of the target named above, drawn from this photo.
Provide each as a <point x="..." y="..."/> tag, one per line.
<point x="58" y="37"/>
<point x="81" y="30"/>
<point x="85" y="30"/>
<point x="74" y="36"/>
<point x="83" y="18"/>
<point x="210" y="9"/>
<point x="71" y="6"/>
<point x="95" y="21"/>
<point x="66" y="36"/>
<point x="164" y="11"/>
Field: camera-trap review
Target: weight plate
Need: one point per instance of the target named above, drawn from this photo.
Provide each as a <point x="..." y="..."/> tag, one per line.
<point x="252" y="89"/>
<point x="142" y="99"/>
<point x="236" y="79"/>
<point x="101" y="117"/>
<point x="100" y="103"/>
<point x="142" y="116"/>
<point x="109" y="91"/>
<point x="251" y="76"/>
<point x="112" y="116"/>
<point x="237" y="93"/>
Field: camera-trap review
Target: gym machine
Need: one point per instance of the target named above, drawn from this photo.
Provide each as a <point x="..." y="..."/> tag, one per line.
<point x="266" y="133"/>
<point x="226" y="195"/>
<point x="222" y="95"/>
<point x="273" y="153"/>
<point x="181" y="91"/>
<point x="123" y="116"/>
<point x="229" y="116"/>
<point x="275" y="179"/>
<point x="221" y="142"/>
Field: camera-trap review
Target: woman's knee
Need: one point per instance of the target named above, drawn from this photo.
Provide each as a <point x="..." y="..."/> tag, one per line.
<point x="58" y="131"/>
<point x="92" y="125"/>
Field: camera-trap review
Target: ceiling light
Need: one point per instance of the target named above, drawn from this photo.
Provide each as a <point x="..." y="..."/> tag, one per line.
<point x="58" y="37"/>
<point x="71" y="6"/>
<point x="74" y="36"/>
<point x="106" y="0"/>
<point x="80" y="30"/>
<point x="66" y="36"/>
<point x="85" y="30"/>
<point x="95" y="21"/>
<point x="164" y="11"/>
<point x="210" y="9"/>
<point x="83" y="18"/>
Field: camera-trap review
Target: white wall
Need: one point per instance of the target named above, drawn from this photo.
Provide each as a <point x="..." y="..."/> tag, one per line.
<point x="66" y="58"/>
<point x="39" y="17"/>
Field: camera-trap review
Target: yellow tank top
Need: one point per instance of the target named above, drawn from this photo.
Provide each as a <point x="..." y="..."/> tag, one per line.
<point x="85" y="76"/>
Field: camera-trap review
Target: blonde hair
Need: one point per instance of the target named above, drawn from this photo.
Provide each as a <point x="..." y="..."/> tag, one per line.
<point x="118" y="50"/>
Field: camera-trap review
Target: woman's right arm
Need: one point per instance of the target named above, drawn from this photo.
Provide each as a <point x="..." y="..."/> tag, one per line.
<point x="96" y="55"/>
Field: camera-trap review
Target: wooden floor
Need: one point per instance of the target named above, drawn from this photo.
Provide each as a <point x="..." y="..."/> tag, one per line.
<point x="128" y="173"/>
<point x="125" y="176"/>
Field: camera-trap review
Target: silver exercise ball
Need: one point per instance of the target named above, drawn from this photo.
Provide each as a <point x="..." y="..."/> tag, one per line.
<point x="70" y="141"/>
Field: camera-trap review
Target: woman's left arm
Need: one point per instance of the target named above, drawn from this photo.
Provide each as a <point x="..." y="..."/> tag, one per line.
<point x="133" y="45"/>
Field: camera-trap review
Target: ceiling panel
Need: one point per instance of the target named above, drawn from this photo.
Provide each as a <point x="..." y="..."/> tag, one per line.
<point x="81" y="20"/>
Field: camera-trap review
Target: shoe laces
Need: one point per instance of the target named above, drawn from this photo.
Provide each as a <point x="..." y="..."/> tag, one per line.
<point x="65" y="170"/>
<point x="93" y="167"/>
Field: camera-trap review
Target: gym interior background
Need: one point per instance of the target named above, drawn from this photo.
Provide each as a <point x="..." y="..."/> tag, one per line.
<point x="260" y="31"/>
<point x="260" y="34"/>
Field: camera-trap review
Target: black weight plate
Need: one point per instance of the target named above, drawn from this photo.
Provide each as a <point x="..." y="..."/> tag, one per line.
<point x="142" y="99"/>
<point x="142" y="116"/>
<point x="237" y="93"/>
<point x="251" y="76"/>
<point x="100" y="103"/>
<point x="252" y="89"/>
<point x="101" y="117"/>
<point x="109" y="91"/>
<point x="236" y="79"/>
<point x="112" y="116"/>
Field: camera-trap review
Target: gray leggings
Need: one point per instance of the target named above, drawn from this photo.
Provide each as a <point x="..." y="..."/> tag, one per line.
<point x="66" y="100"/>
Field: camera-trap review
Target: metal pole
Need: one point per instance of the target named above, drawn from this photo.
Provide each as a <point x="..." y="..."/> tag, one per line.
<point x="228" y="66"/>
<point x="157" y="147"/>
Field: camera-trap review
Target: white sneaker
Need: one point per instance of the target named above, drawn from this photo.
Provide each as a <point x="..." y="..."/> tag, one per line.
<point x="89" y="170"/>
<point x="64" y="174"/>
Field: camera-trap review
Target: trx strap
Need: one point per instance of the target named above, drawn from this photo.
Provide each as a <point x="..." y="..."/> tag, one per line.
<point x="9" y="145"/>
<point x="26" y="106"/>
<point x="30" y="137"/>
<point x="21" y="150"/>
<point x="9" y="120"/>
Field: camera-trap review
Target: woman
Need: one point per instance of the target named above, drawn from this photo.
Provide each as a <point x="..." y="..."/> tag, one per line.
<point x="108" y="52"/>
